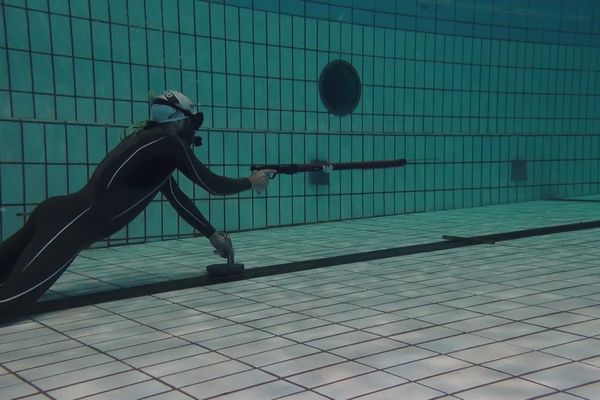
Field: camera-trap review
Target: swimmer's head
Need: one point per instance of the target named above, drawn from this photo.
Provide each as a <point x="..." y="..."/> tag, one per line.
<point x="177" y="112"/>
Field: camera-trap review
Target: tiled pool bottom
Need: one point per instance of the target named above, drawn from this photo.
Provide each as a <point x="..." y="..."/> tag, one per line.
<point x="99" y="270"/>
<point x="515" y="320"/>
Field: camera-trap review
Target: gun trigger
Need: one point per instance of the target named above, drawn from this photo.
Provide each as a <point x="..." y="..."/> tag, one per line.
<point x="273" y="176"/>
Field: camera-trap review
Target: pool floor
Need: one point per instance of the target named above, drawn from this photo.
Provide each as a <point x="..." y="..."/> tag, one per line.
<point x="518" y="319"/>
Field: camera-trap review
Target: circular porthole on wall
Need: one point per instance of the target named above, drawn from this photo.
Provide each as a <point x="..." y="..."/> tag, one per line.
<point x="339" y="87"/>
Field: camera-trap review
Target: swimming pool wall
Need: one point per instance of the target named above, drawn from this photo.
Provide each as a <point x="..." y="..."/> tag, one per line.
<point x="465" y="87"/>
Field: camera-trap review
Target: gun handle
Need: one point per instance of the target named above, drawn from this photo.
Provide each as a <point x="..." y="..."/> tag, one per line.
<point x="255" y="168"/>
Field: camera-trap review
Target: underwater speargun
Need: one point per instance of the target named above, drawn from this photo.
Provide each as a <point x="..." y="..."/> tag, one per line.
<point x="327" y="167"/>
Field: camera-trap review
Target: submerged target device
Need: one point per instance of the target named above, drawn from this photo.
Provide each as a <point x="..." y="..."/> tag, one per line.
<point x="229" y="269"/>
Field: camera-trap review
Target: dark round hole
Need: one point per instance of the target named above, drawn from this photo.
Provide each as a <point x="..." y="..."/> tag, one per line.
<point x="339" y="87"/>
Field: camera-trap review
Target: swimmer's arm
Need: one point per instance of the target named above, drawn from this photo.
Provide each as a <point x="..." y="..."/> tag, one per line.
<point x="185" y="207"/>
<point x="186" y="162"/>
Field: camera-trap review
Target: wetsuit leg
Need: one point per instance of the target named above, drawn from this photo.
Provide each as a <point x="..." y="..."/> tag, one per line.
<point x="11" y="248"/>
<point x="61" y="228"/>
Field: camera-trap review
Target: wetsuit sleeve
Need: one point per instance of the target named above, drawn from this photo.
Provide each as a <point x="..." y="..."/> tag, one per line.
<point x="185" y="207"/>
<point x="186" y="162"/>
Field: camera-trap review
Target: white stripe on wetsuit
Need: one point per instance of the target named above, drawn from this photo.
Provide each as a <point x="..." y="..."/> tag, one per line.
<point x="128" y="158"/>
<point x="41" y="283"/>
<point x="194" y="169"/>
<point x="55" y="236"/>
<point x="153" y="191"/>
<point x="189" y="212"/>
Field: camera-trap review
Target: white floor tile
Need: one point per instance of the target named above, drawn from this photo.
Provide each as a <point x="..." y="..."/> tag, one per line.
<point x="279" y="355"/>
<point x="172" y="395"/>
<point x="9" y="380"/>
<point x="205" y="373"/>
<point x="560" y="396"/>
<point x="525" y="363"/>
<point x="267" y="391"/>
<point x="367" y="348"/>
<point x="587" y="391"/>
<point x="488" y="352"/>
<point x="99" y="385"/>
<point x="396" y="357"/>
<point x="509" y="331"/>
<point x="579" y="350"/>
<point x="455" y="343"/>
<point x="17" y="391"/>
<point x="165" y="356"/>
<point x="227" y="384"/>
<point x="302" y="364"/>
<point x="428" y="367"/>
<point x="360" y="385"/>
<point x="324" y="376"/>
<point x="543" y="340"/>
<point x="80" y="375"/>
<point x="566" y="376"/>
<point x="181" y="364"/>
<point x="514" y="389"/>
<point x="412" y="391"/>
<point x="306" y="395"/>
<point x="464" y="379"/>
<point x="341" y="340"/>
<point x="133" y="392"/>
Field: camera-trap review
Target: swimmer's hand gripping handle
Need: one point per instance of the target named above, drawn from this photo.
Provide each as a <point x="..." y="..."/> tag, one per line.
<point x="326" y="167"/>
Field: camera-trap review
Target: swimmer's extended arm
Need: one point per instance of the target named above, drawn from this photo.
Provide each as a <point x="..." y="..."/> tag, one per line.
<point x="186" y="162"/>
<point x="185" y="207"/>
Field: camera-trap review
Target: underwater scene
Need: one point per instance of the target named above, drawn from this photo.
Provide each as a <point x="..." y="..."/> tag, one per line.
<point x="300" y="199"/>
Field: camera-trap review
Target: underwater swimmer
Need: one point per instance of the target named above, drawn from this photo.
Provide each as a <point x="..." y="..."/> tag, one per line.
<point x="121" y="187"/>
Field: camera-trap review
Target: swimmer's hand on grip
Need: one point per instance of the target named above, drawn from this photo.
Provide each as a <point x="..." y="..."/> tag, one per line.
<point x="260" y="179"/>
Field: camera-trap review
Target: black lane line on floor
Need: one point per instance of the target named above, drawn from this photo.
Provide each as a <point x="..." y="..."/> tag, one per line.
<point x="451" y="242"/>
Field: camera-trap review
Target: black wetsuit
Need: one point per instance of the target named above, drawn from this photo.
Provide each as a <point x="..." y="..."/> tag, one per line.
<point x="121" y="187"/>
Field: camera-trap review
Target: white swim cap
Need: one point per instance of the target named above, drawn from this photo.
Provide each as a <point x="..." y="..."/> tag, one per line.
<point x="169" y="105"/>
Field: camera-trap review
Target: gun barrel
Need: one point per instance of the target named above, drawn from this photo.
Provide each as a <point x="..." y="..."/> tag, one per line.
<point x="369" y="164"/>
<point x="294" y="168"/>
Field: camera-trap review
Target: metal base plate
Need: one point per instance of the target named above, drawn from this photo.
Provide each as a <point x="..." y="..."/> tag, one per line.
<point x="225" y="269"/>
